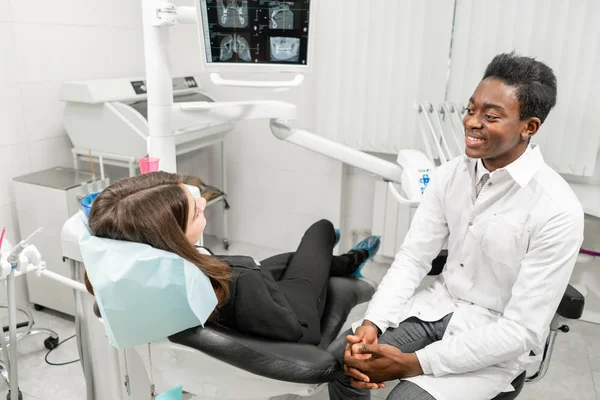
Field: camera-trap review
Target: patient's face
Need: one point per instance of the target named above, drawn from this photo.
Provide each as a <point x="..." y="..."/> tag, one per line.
<point x="196" y="221"/>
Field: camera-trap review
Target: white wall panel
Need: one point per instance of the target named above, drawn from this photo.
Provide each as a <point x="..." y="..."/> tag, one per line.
<point x="5" y="13"/>
<point x="14" y="161"/>
<point x="11" y="116"/>
<point x="374" y="61"/>
<point x="8" y="66"/>
<point x="44" y="112"/>
<point x="108" y="13"/>
<point x="61" y="52"/>
<point x="48" y="153"/>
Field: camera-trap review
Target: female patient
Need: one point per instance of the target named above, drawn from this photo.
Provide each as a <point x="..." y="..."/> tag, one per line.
<point x="282" y="298"/>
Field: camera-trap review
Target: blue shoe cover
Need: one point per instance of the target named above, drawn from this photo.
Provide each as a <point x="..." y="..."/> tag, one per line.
<point x="371" y="245"/>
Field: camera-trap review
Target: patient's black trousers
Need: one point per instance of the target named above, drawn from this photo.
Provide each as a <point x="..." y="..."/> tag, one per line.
<point x="310" y="266"/>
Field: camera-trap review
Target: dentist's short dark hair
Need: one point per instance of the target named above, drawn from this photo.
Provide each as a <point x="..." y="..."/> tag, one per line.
<point x="535" y="83"/>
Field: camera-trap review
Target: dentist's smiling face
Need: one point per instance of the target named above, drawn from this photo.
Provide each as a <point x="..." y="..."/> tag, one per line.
<point x="493" y="128"/>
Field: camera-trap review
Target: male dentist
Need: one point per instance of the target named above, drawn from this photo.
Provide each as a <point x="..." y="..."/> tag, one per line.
<point x="513" y="227"/>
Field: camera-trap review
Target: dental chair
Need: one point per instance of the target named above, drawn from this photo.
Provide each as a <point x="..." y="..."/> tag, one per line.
<point x="215" y="362"/>
<point x="570" y="307"/>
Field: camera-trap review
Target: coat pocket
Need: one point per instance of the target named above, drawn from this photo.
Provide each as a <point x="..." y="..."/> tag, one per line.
<point x="504" y="242"/>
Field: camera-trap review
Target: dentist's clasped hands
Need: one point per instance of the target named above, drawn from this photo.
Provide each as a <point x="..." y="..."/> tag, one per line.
<point x="370" y="364"/>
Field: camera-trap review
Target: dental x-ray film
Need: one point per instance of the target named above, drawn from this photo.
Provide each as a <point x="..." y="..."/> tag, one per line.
<point x="281" y="15"/>
<point x="234" y="45"/>
<point x="256" y="31"/>
<point x="232" y="13"/>
<point x="285" y="48"/>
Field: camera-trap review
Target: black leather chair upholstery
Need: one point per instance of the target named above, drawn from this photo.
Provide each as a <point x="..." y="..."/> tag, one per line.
<point x="290" y="362"/>
<point x="572" y="303"/>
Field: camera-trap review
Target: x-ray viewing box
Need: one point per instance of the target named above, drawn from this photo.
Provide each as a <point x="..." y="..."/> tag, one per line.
<point x="110" y="116"/>
<point x="255" y="35"/>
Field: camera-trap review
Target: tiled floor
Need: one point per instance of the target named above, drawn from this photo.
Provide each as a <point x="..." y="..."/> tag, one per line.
<point x="39" y="380"/>
<point x="574" y="372"/>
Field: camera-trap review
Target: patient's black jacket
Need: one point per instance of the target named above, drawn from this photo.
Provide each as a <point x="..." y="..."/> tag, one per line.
<point x="257" y="305"/>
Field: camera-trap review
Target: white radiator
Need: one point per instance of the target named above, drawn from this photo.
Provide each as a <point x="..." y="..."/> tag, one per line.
<point x="390" y="220"/>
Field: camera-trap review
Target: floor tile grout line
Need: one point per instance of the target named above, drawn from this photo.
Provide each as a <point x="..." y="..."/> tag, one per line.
<point x="587" y="353"/>
<point x="30" y="395"/>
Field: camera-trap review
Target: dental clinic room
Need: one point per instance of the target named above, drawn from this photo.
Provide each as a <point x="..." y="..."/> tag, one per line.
<point x="303" y="199"/>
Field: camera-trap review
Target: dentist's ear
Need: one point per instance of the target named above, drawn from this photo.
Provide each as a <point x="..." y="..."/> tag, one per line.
<point x="532" y="125"/>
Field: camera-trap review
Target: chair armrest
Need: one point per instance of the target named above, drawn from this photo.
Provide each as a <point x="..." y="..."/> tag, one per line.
<point x="572" y="303"/>
<point x="343" y="294"/>
<point x="290" y="362"/>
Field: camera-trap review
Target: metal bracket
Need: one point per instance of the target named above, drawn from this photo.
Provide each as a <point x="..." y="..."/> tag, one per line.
<point x="166" y="15"/>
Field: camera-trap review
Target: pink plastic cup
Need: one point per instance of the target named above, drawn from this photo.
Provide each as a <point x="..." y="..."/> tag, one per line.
<point x="148" y="164"/>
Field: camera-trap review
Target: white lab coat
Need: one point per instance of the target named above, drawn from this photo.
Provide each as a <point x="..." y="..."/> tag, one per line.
<point x="511" y="253"/>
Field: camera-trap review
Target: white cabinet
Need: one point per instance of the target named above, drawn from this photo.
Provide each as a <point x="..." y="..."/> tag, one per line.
<point x="47" y="199"/>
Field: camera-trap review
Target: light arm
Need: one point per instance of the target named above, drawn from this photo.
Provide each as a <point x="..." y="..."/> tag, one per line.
<point x="281" y="113"/>
<point x="387" y="170"/>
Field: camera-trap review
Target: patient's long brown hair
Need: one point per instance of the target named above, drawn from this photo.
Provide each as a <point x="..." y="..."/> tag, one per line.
<point x="153" y="209"/>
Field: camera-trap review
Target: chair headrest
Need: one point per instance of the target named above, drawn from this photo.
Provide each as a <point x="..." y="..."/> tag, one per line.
<point x="144" y="294"/>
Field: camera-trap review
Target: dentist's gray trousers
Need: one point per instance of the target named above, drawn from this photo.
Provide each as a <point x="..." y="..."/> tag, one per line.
<point x="412" y="335"/>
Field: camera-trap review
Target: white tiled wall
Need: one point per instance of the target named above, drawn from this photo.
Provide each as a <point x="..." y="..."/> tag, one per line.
<point x="4" y="10"/>
<point x="42" y="44"/>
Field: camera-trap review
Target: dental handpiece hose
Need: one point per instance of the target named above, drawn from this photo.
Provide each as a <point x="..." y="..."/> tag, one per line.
<point x="13" y="257"/>
<point x="13" y="260"/>
<point x="12" y="324"/>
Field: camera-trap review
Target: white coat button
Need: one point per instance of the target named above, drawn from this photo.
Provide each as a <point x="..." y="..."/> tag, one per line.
<point x="462" y="265"/>
<point x="450" y="333"/>
<point x="470" y="224"/>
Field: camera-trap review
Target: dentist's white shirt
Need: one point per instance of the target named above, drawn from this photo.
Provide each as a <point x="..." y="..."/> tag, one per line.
<point x="511" y="253"/>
